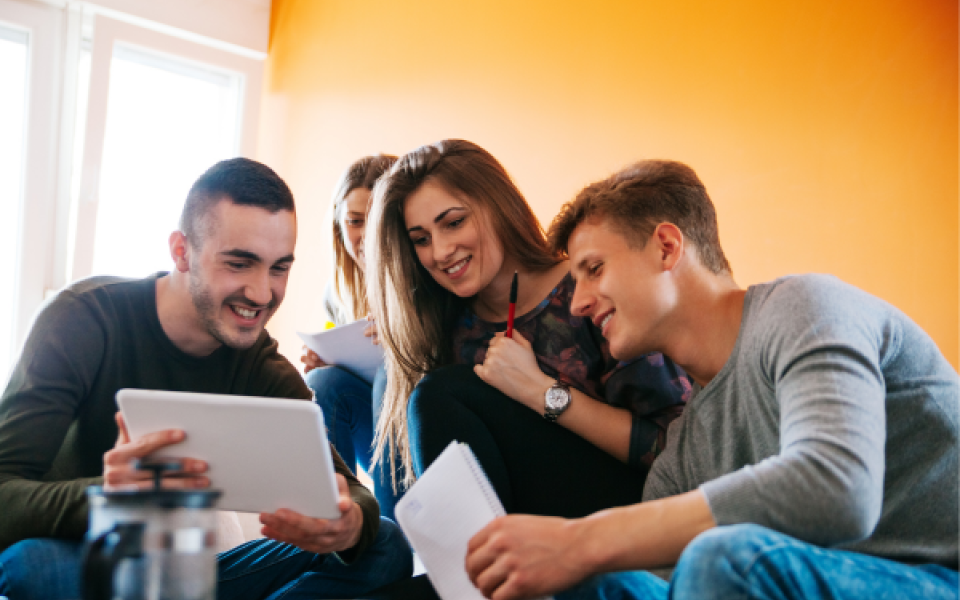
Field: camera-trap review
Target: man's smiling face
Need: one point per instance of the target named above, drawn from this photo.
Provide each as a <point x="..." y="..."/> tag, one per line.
<point x="238" y="275"/>
<point x="623" y="289"/>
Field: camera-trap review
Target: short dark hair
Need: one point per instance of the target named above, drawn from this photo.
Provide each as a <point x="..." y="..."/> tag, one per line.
<point x="637" y="199"/>
<point x="241" y="181"/>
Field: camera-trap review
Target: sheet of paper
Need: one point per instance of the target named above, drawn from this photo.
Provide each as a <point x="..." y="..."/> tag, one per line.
<point x="448" y="505"/>
<point x="346" y="347"/>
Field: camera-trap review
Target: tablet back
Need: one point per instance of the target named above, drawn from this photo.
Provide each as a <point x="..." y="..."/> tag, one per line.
<point x="263" y="453"/>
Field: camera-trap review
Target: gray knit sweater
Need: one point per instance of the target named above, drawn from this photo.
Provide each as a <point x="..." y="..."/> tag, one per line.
<point x="834" y="421"/>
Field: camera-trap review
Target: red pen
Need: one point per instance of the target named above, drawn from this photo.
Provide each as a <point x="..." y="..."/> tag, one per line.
<point x="513" y="305"/>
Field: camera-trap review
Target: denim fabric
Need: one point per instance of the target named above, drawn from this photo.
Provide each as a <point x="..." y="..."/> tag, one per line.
<point x="349" y="405"/>
<point x="267" y="569"/>
<point x="49" y="569"/>
<point x="629" y="585"/>
<point x="41" y="569"/>
<point x="749" y="561"/>
<point x="345" y="400"/>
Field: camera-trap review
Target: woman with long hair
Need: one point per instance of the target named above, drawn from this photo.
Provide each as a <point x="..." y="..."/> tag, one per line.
<point x="348" y="402"/>
<point x="560" y="427"/>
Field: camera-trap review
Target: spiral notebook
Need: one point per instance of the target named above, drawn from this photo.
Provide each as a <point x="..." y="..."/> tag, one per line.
<point x="449" y="504"/>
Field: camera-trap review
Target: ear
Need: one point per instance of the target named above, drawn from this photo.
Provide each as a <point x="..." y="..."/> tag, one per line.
<point x="670" y="244"/>
<point x="178" y="251"/>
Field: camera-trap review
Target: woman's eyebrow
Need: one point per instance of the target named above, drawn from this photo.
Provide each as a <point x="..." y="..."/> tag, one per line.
<point x="438" y="218"/>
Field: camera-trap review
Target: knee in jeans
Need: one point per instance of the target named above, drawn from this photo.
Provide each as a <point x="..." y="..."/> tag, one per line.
<point x="718" y="558"/>
<point x="393" y="551"/>
<point x="728" y="541"/>
<point x="326" y="378"/>
<point x="24" y="562"/>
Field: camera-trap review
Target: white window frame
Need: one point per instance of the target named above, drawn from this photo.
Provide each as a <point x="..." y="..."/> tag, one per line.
<point x="37" y="232"/>
<point x="108" y="32"/>
<point x="51" y="250"/>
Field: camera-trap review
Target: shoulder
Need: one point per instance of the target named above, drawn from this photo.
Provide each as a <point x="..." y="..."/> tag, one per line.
<point x="103" y="293"/>
<point x="801" y="301"/>
<point x="88" y="300"/>
<point x="806" y="293"/>
<point x="796" y="316"/>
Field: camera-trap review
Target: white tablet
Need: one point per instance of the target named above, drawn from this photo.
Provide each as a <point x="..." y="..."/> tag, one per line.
<point x="263" y="453"/>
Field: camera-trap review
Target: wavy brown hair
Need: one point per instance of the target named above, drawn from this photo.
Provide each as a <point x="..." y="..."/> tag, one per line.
<point x="637" y="198"/>
<point x="347" y="300"/>
<point x="415" y="314"/>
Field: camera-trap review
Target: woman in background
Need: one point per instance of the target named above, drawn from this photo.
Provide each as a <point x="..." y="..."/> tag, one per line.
<point x="449" y="230"/>
<point x="348" y="402"/>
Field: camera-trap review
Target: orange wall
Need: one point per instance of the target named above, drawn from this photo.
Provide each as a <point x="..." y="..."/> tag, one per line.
<point x="826" y="132"/>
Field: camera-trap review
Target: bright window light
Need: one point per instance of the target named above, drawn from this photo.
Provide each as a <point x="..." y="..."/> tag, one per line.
<point x="13" y="117"/>
<point x="168" y="121"/>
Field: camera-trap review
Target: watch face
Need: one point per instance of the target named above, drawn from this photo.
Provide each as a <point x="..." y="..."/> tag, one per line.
<point x="557" y="397"/>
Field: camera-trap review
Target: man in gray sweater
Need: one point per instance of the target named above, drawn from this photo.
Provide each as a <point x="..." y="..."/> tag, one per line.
<point x="817" y="458"/>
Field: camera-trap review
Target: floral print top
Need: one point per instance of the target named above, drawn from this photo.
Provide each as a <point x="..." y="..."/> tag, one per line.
<point x="571" y="349"/>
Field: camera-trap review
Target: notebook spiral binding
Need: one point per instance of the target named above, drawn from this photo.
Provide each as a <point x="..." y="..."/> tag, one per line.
<point x="489" y="493"/>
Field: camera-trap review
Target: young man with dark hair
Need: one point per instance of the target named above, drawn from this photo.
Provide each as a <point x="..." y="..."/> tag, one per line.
<point x="817" y="458"/>
<point x="198" y="328"/>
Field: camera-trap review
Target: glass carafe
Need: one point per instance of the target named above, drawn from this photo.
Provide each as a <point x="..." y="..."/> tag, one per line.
<point x="156" y="544"/>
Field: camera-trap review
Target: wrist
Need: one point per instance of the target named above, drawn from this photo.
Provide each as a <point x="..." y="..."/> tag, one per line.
<point x="537" y="393"/>
<point x="597" y="551"/>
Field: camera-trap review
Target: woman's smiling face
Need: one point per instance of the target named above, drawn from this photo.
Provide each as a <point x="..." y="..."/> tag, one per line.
<point x="353" y="217"/>
<point x="453" y="241"/>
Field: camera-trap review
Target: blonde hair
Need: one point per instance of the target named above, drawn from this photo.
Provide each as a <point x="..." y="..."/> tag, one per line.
<point x="346" y="299"/>
<point x="415" y="315"/>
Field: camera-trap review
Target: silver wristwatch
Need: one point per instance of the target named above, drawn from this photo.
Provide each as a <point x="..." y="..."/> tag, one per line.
<point x="556" y="400"/>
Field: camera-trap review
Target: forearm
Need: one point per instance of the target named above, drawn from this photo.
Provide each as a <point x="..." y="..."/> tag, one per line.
<point x="642" y="536"/>
<point x="34" y="509"/>
<point x="604" y="426"/>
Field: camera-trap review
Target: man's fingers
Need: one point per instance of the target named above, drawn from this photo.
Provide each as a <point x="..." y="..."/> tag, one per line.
<point x="123" y="436"/>
<point x="345" y="500"/>
<point x="480" y="538"/>
<point x="119" y="478"/>
<point x="491" y="578"/>
<point x="184" y="483"/>
<point x="293" y="524"/>
<point x="342" y="486"/>
<point x="144" y="446"/>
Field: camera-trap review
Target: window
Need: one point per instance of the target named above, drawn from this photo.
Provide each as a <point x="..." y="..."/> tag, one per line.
<point x="167" y="122"/>
<point x="86" y="187"/>
<point x="14" y="46"/>
<point x="160" y="111"/>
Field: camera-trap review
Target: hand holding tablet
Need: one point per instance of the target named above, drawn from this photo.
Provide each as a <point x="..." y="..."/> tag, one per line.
<point x="264" y="454"/>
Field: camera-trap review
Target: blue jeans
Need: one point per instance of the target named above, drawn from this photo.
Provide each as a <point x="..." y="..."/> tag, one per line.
<point x="269" y="569"/>
<point x="49" y="569"/>
<point x="349" y="406"/>
<point x="749" y="561"/>
<point x="41" y="569"/>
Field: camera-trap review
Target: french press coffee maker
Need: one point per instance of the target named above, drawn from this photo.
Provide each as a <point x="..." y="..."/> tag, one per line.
<point x="156" y="544"/>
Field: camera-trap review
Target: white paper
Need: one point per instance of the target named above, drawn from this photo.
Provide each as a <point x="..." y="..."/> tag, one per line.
<point x="449" y="504"/>
<point x="346" y="347"/>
